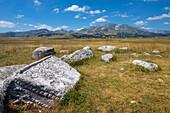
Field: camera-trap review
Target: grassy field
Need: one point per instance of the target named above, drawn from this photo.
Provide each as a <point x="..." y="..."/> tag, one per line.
<point x="104" y="87"/>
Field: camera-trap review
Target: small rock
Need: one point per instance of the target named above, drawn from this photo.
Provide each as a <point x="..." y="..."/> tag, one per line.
<point x="107" y="48"/>
<point x="133" y="102"/>
<point x="147" y="65"/>
<point x="84" y="53"/>
<point x="124" y="48"/>
<point x="158" y="56"/>
<point x="134" y="54"/>
<point x="160" y="80"/>
<point x="122" y="69"/>
<point x="64" y="51"/>
<point x="107" y="57"/>
<point x="156" y="51"/>
<point x="42" y="51"/>
<point x="145" y="53"/>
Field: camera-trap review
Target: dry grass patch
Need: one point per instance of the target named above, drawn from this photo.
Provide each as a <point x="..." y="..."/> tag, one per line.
<point x="104" y="87"/>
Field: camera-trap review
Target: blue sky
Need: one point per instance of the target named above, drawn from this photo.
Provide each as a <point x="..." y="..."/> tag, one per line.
<point x="22" y="15"/>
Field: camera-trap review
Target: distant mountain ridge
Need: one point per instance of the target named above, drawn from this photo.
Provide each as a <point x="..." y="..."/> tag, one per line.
<point x="103" y="30"/>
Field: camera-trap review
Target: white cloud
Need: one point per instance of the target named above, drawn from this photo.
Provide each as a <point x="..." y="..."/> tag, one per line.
<point x="96" y="12"/>
<point x="56" y="10"/>
<point x="166" y="23"/>
<point x="101" y="19"/>
<point x="140" y="23"/>
<point x="130" y="3"/>
<point x="6" y="24"/>
<point x="159" y="17"/>
<point x="44" y="26"/>
<point x="146" y="28"/>
<point x="80" y="28"/>
<point x="77" y="16"/>
<point x="166" y="8"/>
<point x="61" y="27"/>
<point x="84" y="18"/>
<point x="37" y="2"/>
<point x="150" y="0"/>
<point x="19" y="16"/>
<point x="124" y="15"/>
<point x="76" y="8"/>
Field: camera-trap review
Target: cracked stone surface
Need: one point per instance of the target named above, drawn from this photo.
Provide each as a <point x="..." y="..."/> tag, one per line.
<point x="107" y="57"/>
<point x="84" y="53"/>
<point x="7" y="71"/>
<point x="42" y="51"/>
<point x="107" y="48"/>
<point x="40" y="83"/>
<point x="147" y="65"/>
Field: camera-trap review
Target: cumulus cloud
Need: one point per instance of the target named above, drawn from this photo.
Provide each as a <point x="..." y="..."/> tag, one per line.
<point x="150" y="0"/>
<point x="56" y="10"/>
<point x="80" y="28"/>
<point x="44" y="26"/>
<point x="37" y="2"/>
<point x="6" y="24"/>
<point x="96" y="12"/>
<point x="166" y="8"/>
<point x="19" y="16"/>
<point x="84" y="18"/>
<point x="140" y="23"/>
<point x="101" y="19"/>
<point x="159" y="17"/>
<point x="146" y="28"/>
<point x="77" y="16"/>
<point x="166" y="23"/>
<point x="76" y="8"/>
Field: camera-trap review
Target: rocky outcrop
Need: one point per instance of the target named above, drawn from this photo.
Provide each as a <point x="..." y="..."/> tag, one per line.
<point x="40" y="83"/>
<point x="107" y="48"/>
<point x="147" y="65"/>
<point x="84" y="53"/>
<point x="42" y="51"/>
<point x="107" y="57"/>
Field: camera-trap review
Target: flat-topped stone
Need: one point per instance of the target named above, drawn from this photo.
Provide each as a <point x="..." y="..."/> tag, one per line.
<point x="107" y="48"/>
<point x="147" y="65"/>
<point x="107" y="57"/>
<point x="124" y="48"/>
<point x="156" y="51"/>
<point x="40" y="82"/>
<point x="84" y="53"/>
<point x="42" y="51"/>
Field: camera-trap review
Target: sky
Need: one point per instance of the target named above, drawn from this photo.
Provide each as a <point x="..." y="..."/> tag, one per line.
<point x="23" y="15"/>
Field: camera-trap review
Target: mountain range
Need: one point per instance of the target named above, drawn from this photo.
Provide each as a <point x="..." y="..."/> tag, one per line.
<point x="104" y="30"/>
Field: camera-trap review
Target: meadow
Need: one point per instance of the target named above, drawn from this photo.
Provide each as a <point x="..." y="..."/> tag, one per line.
<point x="115" y="87"/>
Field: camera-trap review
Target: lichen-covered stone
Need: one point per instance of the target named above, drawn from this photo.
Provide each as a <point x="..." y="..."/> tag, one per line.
<point x="107" y="57"/>
<point x="48" y="84"/>
<point x="156" y="51"/>
<point x="78" y="55"/>
<point x="42" y="51"/>
<point x="64" y="51"/>
<point x="147" y="65"/>
<point x="107" y="48"/>
<point x="124" y="48"/>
